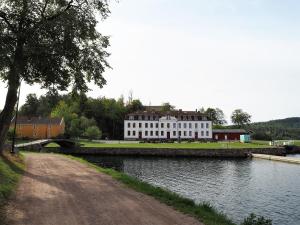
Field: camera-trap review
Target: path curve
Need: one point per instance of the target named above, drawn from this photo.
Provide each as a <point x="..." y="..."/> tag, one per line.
<point x="56" y="190"/>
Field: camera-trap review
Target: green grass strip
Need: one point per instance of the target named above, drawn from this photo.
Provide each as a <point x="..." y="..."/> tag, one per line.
<point x="203" y="212"/>
<point x="11" y="169"/>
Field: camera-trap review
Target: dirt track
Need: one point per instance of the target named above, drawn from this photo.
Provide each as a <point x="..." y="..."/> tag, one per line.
<point x="59" y="191"/>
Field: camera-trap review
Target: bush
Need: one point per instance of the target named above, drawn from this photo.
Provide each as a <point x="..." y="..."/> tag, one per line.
<point x="93" y="132"/>
<point x="255" y="220"/>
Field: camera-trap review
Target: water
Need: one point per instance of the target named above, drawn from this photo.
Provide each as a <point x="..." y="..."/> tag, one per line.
<point x="235" y="187"/>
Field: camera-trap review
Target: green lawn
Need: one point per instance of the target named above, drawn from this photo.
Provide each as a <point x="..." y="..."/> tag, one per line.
<point x="218" y="145"/>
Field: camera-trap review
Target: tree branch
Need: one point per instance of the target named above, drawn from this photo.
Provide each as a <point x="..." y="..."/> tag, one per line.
<point x="61" y="12"/>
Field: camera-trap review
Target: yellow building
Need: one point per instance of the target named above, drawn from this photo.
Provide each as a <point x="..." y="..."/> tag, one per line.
<point x="39" y="128"/>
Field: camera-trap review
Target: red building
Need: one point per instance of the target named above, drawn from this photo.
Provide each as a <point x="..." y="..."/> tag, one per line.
<point x="228" y="134"/>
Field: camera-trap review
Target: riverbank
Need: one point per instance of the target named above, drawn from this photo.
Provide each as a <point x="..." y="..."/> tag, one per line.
<point x="11" y="169"/>
<point x="203" y="212"/>
<point x="168" y="152"/>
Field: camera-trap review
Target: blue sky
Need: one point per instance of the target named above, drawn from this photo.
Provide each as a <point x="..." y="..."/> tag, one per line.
<point x="220" y="53"/>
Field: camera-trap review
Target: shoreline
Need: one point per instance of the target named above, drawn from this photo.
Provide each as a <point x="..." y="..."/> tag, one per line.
<point x="167" y="152"/>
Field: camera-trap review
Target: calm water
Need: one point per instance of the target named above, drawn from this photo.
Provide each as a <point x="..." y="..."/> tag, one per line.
<point x="235" y="187"/>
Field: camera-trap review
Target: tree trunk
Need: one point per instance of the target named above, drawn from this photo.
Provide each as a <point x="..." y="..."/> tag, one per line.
<point x="7" y="113"/>
<point x="11" y="97"/>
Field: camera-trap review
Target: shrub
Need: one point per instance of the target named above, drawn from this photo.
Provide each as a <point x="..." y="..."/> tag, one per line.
<point x="255" y="220"/>
<point x="93" y="132"/>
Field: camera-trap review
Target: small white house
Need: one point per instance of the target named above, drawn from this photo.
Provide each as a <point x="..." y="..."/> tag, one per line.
<point x="173" y="125"/>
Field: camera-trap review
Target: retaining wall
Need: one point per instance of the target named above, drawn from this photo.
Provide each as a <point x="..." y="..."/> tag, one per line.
<point x="166" y="152"/>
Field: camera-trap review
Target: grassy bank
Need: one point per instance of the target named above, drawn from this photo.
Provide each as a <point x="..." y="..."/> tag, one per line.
<point x="203" y="212"/>
<point x="11" y="169"/>
<point x="213" y="145"/>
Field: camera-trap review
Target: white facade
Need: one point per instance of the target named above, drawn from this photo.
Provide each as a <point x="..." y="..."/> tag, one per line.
<point x="167" y="127"/>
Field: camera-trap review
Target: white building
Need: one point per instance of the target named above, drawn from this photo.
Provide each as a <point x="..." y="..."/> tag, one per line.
<point x="174" y="125"/>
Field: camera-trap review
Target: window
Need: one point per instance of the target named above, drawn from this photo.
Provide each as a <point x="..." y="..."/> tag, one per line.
<point x="133" y="133"/>
<point x="128" y="133"/>
<point x="174" y="133"/>
<point x="162" y="125"/>
<point x="196" y="125"/>
<point x="207" y="133"/>
<point x="146" y="133"/>
<point x="207" y="125"/>
<point x="140" y="125"/>
<point x="202" y="126"/>
<point x="179" y="125"/>
<point x="162" y="133"/>
<point x="156" y="125"/>
<point x="192" y="117"/>
<point x="156" y="133"/>
<point x="184" y="133"/>
<point x="174" y="125"/>
<point x="190" y="125"/>
<point x="190" y="133"/>
<point x="149" y="118"/>
<point x="146" y="125"/>
<point x="184" y="125"/>
<point x="151" y="125"/>
<point x="179" y="133"/>
<point x="128" y="125"/>
<point x="168" y="125"/>
<point x="133" y="125"/>
<point x="151" y="133"/>
<point x="202" y="133"/>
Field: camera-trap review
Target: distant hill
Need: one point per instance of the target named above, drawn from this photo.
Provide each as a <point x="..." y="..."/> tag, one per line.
<point x="293" y="122"/>
<point x="288" y="128"/>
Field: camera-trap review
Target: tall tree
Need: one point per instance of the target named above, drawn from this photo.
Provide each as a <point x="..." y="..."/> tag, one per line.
<point x="216" y="115"/>
<point x="30" y="108"/>
<point x="167" y="107"/>
<point x="240" y="118"/>
<point x="53" y="43"/>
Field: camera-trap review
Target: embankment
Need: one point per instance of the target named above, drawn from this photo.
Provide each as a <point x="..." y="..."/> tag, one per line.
<point x="167" y="152"/>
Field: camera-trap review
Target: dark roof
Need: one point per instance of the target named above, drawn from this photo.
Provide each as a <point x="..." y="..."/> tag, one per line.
<point x="226" y="131"/>
<point x="168" y="113"/>
<point x="38" y="120"/>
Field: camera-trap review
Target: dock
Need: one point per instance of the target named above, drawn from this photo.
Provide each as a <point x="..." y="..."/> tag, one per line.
<point x="277" y="158"/>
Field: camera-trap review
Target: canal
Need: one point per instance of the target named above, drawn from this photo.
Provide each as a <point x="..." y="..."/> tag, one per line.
<point x="236" y="187"/>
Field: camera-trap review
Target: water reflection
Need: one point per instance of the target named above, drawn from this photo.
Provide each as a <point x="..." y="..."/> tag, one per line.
<point x="236" y="187"/>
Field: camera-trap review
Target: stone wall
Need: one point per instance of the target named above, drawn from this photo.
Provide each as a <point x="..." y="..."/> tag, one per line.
<point x="166" y="152"/>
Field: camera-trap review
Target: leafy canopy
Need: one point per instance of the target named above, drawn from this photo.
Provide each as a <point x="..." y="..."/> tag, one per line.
<point x="53" y="42"/>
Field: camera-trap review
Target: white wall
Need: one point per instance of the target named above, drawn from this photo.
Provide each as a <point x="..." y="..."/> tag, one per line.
<point x="204" y="129"/>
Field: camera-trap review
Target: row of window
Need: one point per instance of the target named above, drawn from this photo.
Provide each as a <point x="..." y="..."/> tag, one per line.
<point x="168" y="125"/>
<point x="143" y="117"/>
<point x="162" y="133"/>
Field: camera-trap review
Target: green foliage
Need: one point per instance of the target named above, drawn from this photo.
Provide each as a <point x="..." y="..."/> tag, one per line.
<point x="240" y="118"/>
<point x="92" y="132"/>
<point x="10" y="172"/>
<point x="56" y="41"/>
<point x="216" y="115"/>
<point x="167" y="107"/>
<point x="255" y="220"/>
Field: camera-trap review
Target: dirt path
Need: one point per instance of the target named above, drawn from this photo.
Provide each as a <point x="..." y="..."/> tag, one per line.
<point x="59" y="191"/>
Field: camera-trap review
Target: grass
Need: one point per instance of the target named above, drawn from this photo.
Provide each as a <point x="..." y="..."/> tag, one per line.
<point x="11" y="169"/>
<point x="194" y="145"/>
<point x="203" y="212"/>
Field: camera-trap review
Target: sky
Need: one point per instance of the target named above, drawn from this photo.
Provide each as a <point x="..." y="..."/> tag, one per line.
<point x="228" y="54"/>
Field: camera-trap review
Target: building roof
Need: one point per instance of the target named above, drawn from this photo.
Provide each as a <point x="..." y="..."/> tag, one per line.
<point x="38" y="120"/>
<point x="226" y="131"/>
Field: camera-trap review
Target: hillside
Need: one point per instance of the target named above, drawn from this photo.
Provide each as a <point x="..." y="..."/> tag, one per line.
<point x="288" y="128"/>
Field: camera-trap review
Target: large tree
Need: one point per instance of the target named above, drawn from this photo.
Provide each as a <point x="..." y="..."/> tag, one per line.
<point x="216" y="115"/>
<point x="50" y="42"/>
<point x="240" y="118"/>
